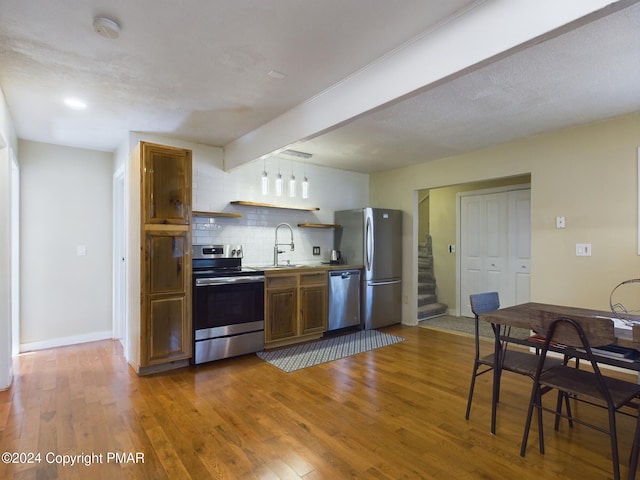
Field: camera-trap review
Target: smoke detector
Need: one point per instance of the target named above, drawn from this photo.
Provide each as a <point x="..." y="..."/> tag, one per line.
<point x="106" y="27"/>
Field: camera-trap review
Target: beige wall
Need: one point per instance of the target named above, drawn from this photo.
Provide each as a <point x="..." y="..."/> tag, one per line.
<point x="587" y="174"/>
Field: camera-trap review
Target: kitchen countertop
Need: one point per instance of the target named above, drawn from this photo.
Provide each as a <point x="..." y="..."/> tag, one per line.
<point x="305" y="267"/>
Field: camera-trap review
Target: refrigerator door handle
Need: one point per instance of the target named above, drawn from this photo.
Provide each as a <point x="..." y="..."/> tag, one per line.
<point x="368" y="254"/>
<point x="390" y="282"/>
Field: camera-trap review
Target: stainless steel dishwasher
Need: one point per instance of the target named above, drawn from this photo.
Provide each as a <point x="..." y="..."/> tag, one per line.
<point x="344" y="299"/>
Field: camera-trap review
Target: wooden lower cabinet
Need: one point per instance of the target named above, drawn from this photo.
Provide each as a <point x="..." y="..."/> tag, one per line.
<point x="166" y="308"/>
<point x="166" y="330"/>
<point x="313" y="303"/>
<point x="296" y="307"/>
<point x="282" y="312"/>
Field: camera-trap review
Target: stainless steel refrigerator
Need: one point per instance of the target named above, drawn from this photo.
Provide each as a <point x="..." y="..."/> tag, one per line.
<point x="373" y="237"/>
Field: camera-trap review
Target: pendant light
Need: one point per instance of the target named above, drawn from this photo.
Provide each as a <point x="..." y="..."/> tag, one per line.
<point x="279" y="184"/>
<point x="292" y="183"/>
<point x="305" y="184"/>
<point x="265" y="179"/>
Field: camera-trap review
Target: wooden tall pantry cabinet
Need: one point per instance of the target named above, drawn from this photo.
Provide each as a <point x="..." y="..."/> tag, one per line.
<point x="165" y="257"/>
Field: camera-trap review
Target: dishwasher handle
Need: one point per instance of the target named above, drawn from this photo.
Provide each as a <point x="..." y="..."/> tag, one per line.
<point x="345" y="274"/>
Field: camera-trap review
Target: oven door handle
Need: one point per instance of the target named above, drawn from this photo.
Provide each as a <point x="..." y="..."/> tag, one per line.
<point x="205" y="282"/>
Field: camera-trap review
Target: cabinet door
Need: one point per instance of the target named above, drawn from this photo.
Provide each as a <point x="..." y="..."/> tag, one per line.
<point x="167" y="261"/>
<point x="166" y="314"/>
<point x="313" y="310"/>
<point x="166" y="184"/>
<point x="167" y="334"/>
<point x="282" y="313"/>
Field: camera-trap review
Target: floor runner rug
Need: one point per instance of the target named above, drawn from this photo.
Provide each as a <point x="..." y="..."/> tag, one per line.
<point x="309" y="354"/>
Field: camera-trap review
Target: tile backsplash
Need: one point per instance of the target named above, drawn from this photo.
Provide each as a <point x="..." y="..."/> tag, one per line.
<point x="255" y="231"/>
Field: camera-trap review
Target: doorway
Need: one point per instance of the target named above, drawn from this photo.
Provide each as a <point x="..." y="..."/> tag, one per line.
<point x="15" y="254"/>
<point x="119" y="259"/>
<point x="442" y="223"/>
<point x="494" y="245"/>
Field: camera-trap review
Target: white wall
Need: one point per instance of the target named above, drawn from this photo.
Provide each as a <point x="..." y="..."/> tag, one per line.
<point x="66" y="204"/>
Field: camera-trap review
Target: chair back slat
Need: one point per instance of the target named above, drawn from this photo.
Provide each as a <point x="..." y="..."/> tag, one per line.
<point x="484" y="302"/>
<point x="598" y="331"/>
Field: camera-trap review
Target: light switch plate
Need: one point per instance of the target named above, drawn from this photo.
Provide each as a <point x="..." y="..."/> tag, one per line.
<point x="583" y="249"/>
<point x="561" y="222"/>
<point x="316" y="250"/>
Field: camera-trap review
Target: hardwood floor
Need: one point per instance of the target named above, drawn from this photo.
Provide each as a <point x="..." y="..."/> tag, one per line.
<point x="392" y="413"/>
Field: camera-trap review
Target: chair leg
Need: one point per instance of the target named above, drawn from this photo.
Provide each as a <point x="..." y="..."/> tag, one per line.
<point x="633" y="460"/>
<point x="471" y="387"/>
<point x="614" y="444"/>
<point x="556" y="425"/>
<point x="527" y="425"/>
<point x="540" y="429"/>
<point x="568" y="404"/>
<point x="561" y="396"/>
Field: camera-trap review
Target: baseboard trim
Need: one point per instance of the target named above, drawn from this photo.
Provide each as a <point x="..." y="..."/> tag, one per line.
<point x="63" y="341"/>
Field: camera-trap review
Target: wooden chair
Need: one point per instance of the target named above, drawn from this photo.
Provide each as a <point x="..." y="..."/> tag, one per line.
<point x="516" y="361"/>
<point x="589" y="386"/>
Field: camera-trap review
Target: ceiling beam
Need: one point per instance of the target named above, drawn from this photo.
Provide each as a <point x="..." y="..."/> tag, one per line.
<point x="488" y="31"/>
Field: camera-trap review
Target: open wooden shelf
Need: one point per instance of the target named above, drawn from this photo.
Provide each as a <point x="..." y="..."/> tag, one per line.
<point x="271" y="205"/>
<point x="318" y="225"/>
<point x="216" y="214"/>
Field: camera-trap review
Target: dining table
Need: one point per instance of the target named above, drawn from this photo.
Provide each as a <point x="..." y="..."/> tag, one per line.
<point x="627" y="334"/>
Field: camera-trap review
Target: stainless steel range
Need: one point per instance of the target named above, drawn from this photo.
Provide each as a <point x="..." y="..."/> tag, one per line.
<point x="228" y="304"/>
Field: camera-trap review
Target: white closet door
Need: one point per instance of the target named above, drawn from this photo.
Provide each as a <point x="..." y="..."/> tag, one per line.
<point x="520" y="246"/>
<point x="483" y="244"/>
<point x="495" y="247"/>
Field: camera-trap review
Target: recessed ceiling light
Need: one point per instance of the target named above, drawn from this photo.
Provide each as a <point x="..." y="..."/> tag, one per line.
<point x="75" y="103"/>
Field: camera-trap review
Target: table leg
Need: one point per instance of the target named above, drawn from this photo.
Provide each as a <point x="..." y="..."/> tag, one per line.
<point x="496" y="376"/>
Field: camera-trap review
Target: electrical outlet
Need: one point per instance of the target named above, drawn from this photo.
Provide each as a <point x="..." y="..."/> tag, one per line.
<point x="316" y="250"/>
<point x="583" y="249"/>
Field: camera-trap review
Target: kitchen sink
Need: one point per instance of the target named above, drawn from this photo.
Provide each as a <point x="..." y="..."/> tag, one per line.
<point x="296" y="265"/>
<point x="292" y="265"/>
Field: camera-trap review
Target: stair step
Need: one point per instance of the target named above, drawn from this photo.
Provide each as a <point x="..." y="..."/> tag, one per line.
<point x="426" y="277"/>
<point x="426" y="288"/>
<point x="426" y="299"/>
<point x="431" y="310"/>
<point x="425" y="262"/>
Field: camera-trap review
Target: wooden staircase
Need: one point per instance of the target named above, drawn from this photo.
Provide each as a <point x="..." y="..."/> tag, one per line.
<point x="428" y="305"/>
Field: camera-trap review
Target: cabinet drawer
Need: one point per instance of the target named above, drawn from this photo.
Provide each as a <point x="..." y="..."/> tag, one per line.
<point x="278" y="281"/>
<point x="319" y="278"/>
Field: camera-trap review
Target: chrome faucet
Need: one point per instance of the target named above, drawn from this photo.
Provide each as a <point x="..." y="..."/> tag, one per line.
<point x="275" y="247"/>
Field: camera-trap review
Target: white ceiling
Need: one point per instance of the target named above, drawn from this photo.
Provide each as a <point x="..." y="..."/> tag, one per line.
<point x="200" y="73"/>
